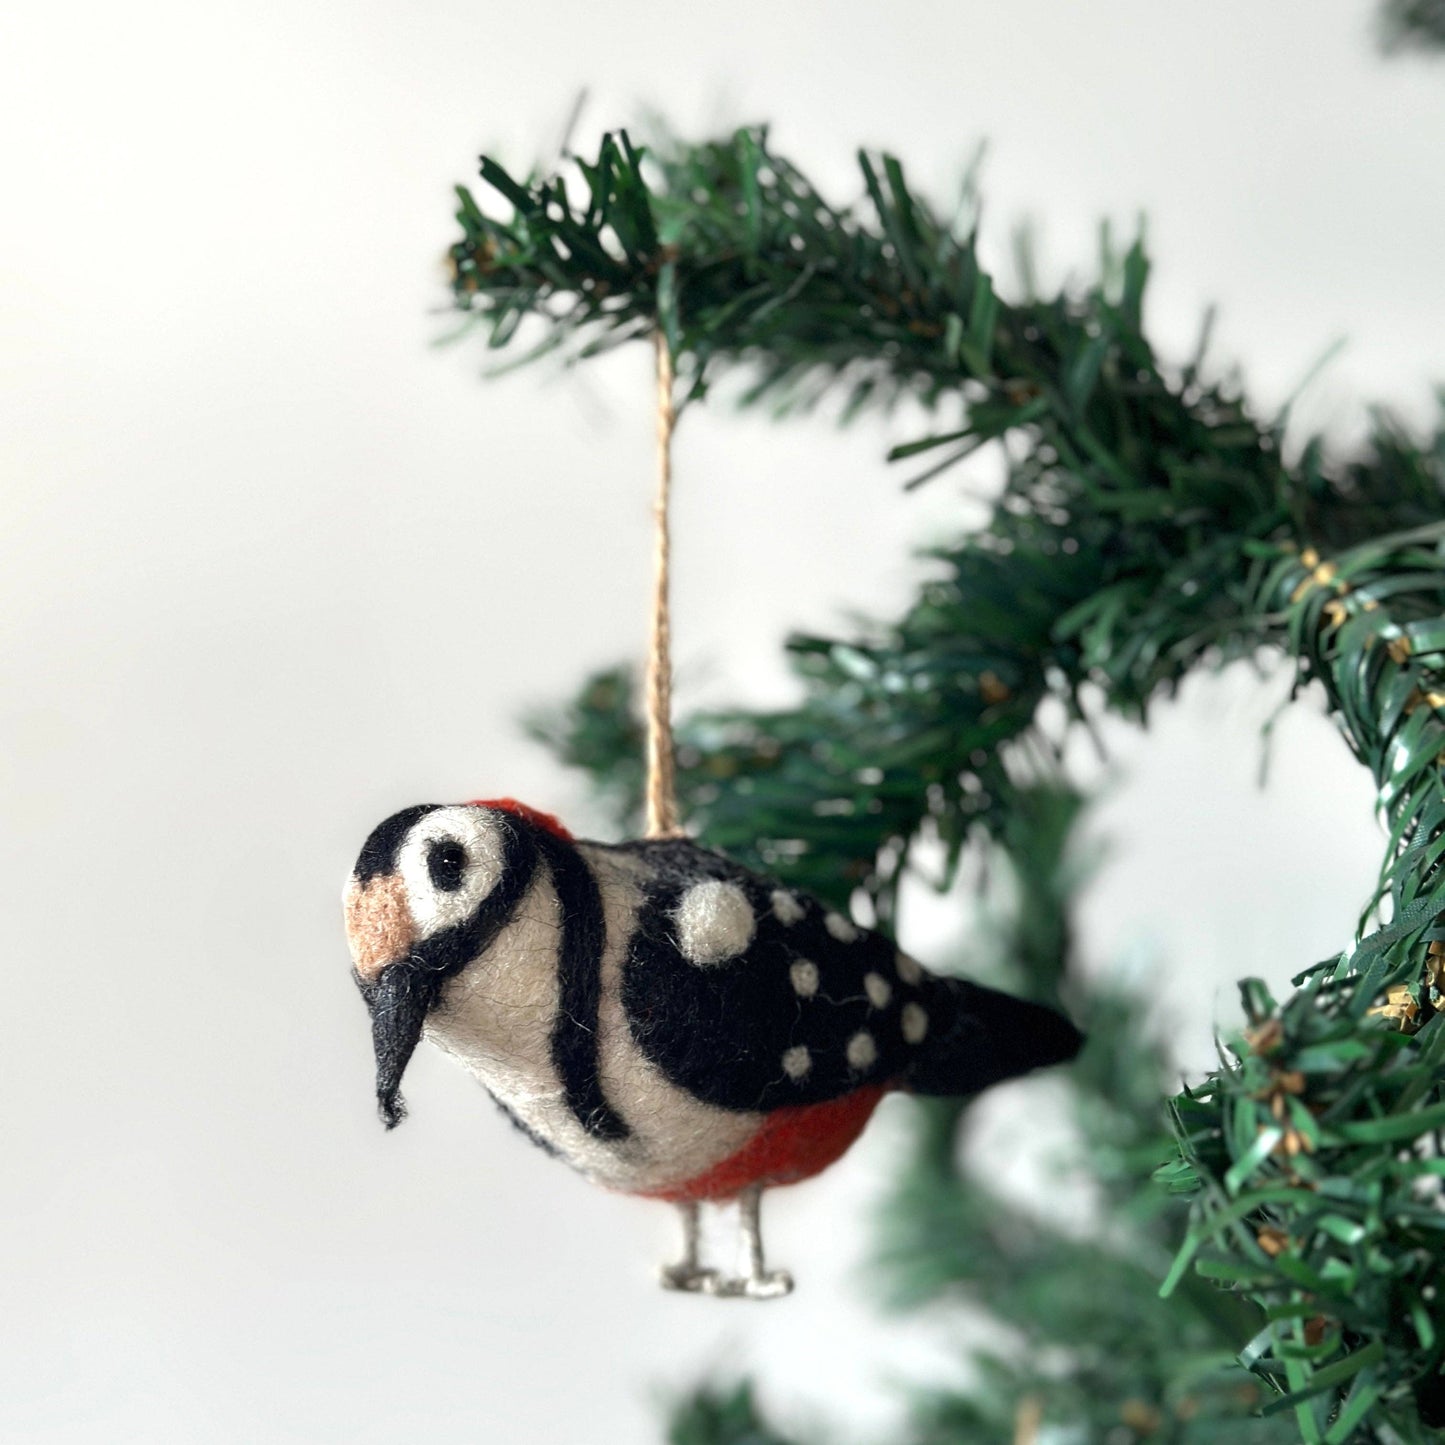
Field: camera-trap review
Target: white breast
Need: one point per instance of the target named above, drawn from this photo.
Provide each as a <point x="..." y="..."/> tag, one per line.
<point x="497" y="1018"/>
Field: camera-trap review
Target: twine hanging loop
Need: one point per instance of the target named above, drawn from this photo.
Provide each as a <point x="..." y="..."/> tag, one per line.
<point x="661" y="795"/>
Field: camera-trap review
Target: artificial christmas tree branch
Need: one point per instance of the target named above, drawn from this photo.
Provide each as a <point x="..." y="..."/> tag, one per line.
<point x="1149" y="524"/>
<point x="1413" y="25"/>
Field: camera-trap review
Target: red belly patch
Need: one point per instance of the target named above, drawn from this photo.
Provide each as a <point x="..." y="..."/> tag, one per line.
<point x="791" y="1145"/>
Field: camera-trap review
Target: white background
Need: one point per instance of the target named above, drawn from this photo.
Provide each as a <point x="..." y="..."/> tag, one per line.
<point x="272" y="566"/>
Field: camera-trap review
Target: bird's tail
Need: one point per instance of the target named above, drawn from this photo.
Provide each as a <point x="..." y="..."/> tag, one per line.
<point x="978" y="1037"/>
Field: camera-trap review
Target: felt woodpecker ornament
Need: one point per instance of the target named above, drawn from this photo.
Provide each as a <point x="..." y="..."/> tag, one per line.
<point x="669" y="1023"/>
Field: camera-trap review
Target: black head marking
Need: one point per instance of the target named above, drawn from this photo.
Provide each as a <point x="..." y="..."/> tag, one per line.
<point x="406" y="991"/>
<point x="378" y="854"/>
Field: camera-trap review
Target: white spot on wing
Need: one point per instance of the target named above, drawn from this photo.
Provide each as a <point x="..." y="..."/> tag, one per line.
<point x="909" y="969"/>
<point x="714" y="922"/>
<point x="786" y="908"/>
<point x="804" y="974"/>
<point x="862" y="1051"/>
<point x="915" y="1023"/>
<point x="840" y="928"/>
<point x="797" y="1061"/>
<point x="878" y="989"/>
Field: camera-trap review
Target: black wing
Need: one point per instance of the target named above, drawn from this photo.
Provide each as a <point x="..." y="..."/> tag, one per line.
<point x="814" y="1007"/>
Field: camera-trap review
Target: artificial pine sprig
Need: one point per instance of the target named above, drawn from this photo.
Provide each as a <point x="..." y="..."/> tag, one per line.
<point x="1149" y="524"/>
<point x="1313" y="1158"/>
<point x="1413" y="25"/>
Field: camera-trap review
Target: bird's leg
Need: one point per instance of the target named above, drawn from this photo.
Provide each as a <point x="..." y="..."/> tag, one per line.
<point x="758" y="1282"/>
<point x="687" y="1273"/>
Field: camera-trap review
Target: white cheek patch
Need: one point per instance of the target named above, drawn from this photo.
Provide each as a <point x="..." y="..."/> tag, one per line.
<point x="478" y="833"/>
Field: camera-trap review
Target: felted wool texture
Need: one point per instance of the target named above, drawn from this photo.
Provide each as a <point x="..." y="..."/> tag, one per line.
<point x="499" y="1020"/>
<point x="790" y="1146"/>
<point x="679" y="1135"/>
<point x="535" y="1013"/>
<point x="988" y="1037"/>
<point x="576" y="1040"/>
<point x="440" y="938"/>
<point x="452" y="859"/>
<point x="713" y="922"/>
<point x="810" y="1009"/>
<point x="665" y="1020"/>
<point x="378" y="923"/>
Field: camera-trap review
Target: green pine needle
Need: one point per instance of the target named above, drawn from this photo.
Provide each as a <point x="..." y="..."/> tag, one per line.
<point x="1149" y="525"/>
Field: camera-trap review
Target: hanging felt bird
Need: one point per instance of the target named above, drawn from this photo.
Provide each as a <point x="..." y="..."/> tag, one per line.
<point x="669" y="1023"/>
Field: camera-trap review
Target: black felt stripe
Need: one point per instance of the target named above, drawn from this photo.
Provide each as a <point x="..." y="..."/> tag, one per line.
<point x="522" y="1126"/>
<point x="409" y="989"/>
<point x="579" y="979"/>
<point x="450" y="951"/>
<point x="378" y="853"/>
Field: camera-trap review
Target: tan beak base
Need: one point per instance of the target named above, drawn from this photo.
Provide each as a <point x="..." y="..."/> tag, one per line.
<point x="378" y="924"/>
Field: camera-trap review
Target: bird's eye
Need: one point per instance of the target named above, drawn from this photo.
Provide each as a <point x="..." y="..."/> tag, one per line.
<point x="446" y="862"/>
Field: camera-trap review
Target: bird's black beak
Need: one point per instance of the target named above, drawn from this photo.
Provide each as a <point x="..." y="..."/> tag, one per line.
<point x="397" y="990"/>
<point x="399" y="999"/>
